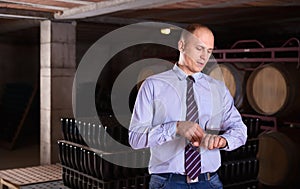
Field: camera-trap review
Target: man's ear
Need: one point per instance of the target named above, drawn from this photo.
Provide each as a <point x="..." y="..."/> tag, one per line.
<point x="180" y="45"/>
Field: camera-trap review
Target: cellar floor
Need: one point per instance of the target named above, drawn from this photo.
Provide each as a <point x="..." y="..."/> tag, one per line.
<point x="26" y="153"/>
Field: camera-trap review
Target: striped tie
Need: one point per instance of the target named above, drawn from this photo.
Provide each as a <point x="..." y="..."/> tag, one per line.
<point x="192" y="155"/>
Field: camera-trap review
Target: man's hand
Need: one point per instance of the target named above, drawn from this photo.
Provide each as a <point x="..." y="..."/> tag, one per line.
<point x="213" y="141"/>
<point x="191" y="131"/>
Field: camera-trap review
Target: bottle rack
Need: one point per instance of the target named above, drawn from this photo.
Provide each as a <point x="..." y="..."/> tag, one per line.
<point x="85" y="152"/>
<point x="75" y="179"/>
<point x="97" y="136"/>
<point x="239" y="169"/>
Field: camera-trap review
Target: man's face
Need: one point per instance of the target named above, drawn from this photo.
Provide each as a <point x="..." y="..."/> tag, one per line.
<point x="196" y="50"/>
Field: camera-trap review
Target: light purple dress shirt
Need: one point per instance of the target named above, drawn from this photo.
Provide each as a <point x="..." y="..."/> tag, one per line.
<point x="161" y="102"/>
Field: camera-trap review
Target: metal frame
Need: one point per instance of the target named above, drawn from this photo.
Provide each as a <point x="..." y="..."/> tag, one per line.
<point x="223" y="55"/>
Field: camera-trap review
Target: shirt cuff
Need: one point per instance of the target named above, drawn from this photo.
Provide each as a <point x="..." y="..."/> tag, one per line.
<point x="170" y="129"/>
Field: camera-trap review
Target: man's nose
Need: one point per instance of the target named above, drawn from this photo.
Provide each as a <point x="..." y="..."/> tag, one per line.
<point x="204" y="54"/>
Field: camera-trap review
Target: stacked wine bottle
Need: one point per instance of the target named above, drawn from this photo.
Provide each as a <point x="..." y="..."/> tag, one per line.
<point x="240" y="167"/>
<point x="86" y="153"/>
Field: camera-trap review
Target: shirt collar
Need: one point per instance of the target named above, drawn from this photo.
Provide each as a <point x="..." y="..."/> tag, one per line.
<point x="182" y="75"/>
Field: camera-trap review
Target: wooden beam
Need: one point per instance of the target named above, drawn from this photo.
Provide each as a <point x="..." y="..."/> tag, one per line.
<point x="12" y="16"/>
<point x="105" y="7"/>
<point x="25" y="11"/>
<point x="25" y="7"/>
<point x="35" y="4"/>
<point x="53" y="3"/>
<point x="76" y="1"/>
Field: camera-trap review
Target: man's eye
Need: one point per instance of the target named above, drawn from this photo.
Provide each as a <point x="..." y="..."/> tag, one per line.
<point x="199" y="48"/>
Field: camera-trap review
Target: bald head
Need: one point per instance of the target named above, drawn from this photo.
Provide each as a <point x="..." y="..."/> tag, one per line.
<point x="194" y="28"/>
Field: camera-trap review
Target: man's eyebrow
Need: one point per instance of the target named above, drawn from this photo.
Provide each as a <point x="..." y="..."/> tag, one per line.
<point x="201" y="45"/>
<point x="204" y="46"/>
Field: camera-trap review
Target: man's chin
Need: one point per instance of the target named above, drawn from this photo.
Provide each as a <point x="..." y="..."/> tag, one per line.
<point x="199" y="69"/>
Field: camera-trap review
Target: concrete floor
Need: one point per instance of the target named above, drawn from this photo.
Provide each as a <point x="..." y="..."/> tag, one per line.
<point x="23" y="156"/>
<point x="26" y="155"/>
<point x="26" y="152"/>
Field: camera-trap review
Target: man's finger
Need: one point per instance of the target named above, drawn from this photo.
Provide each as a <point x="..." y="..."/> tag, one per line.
<point x="198" y="135"/>
<point x="217" y="141"/>
<point x="196" y="143"/>
<point x="222" y="142"/>
<point x="205" y="140"/>
<point x="212" y="139"/>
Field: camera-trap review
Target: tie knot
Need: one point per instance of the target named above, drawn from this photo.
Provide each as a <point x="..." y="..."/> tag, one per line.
<point x="190" y="79"/>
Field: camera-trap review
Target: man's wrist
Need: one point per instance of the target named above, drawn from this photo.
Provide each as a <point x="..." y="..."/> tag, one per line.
<point x="226" y="143"/>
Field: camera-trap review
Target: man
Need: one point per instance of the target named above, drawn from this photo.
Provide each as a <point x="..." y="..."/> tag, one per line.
<point x="175" y="112"/>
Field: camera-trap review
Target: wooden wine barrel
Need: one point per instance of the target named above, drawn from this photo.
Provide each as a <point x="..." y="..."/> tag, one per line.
<point x="272" y="89"/>
<point x="233" y="79"/>
<point x="278" y="159"/>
